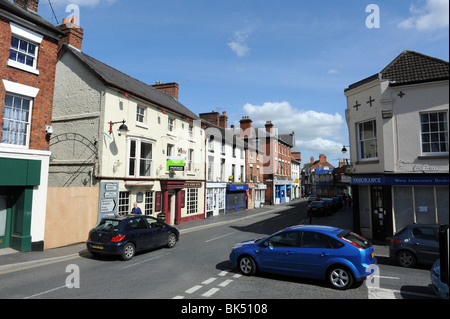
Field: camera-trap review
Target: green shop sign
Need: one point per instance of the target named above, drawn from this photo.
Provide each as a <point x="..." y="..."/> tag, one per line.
<point x="175" y="164"/>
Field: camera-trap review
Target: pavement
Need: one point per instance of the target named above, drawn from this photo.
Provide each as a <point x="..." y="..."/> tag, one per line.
<point x="11" y="259"/>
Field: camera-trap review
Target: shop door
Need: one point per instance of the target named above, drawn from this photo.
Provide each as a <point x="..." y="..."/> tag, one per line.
<point x="5" y="221"/>
<point x="378" y="213"/>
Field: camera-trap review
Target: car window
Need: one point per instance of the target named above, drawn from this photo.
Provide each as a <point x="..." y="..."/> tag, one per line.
<point x="315" y="240"/>
<point x="427" y="233"/>
<point x="108" y="225"/>
<point x="138" y="223"/>
<point x="285" y="239"/>
<point x="153" y="222"/>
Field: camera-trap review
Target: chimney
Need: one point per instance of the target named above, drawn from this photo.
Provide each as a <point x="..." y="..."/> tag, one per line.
<point x="74" y="33"/>
<point x="212" y="117"/>
<point x="269" y="127"/>
<point x="223" y="120"/>
<point x="246" y="126"/>
<point x="168" y="88"/>
<point x="31" y="5"/>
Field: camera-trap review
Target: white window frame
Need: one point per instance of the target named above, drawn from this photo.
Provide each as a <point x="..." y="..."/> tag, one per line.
<point x="359" y="140"/>
<point x="192" y="201"/>
<point x="30" y="37"/>
<point x="430" y="132"/>
<point x="138" y="158"/>
<point x="141" y="113"/>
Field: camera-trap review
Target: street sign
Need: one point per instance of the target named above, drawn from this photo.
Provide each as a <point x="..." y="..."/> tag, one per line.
<point x="109" y="198"/>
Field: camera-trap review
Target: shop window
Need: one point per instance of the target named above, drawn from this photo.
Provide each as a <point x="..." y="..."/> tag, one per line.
<point x="192" y="201"/>
<point x="124" y="203"/>
<point x="148" y="210"/>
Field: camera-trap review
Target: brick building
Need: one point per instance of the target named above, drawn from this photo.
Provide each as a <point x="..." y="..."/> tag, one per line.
<point x="28" y="53"/>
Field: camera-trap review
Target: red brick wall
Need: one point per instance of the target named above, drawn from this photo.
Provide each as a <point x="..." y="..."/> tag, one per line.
<point x="43" y="103"/>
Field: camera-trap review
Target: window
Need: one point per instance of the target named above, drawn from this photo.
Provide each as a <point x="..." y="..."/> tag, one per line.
<point x="124" y="203"/>
<point x="285" y="239"/>
<point x="140" y="114"/>
<point x="434" y="130"/>
<point x="171" y="125"/>
<point x="211" y="143"/>
<point x="148" y="210"/>
<point x="190" y="159"/>
<point x="191" y="132"/>
<point x="140" y="158"/>
<point x="315" y="240"/>
<point x="192" y="201"/>
<point x="170" y="148"/>
<point x="16" y="120"/>
<point x="24" y="49"/>
<point x="367" y="140"/>
<point x="210" y="168"/>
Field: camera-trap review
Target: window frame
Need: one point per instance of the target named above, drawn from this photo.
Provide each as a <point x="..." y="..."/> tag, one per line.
<point x="137" y="158"/>
<point x="430" y="132"/>
<point x="29" y="37"/>
<point x="367" y="140"/>
<point x="26" y="145"/>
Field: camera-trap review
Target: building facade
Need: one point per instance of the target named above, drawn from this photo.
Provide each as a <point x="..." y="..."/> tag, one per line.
<point x="28" y="51"/>
<point x="134" y="141"/>
<point x="398" y="128"/>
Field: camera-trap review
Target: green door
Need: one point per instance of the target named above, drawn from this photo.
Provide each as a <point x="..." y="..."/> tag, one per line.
<point x="5" y="221"/>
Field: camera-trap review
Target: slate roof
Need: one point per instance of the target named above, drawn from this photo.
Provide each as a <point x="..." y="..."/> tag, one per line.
<point x="123" y="82"/>
<point x="408" y="68"/>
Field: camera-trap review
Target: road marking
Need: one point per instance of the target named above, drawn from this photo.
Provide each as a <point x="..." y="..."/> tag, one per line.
<point x="224" y="273"/>
<point x="36" y="264"/>
<point x="218" y="237"/>
<point x="226" y="283"/>
<point x="178" y="297"/>
<point x="208" y="281"/>
<point x="210" y="292"/>
<point x="44" y="292"/>
<point x="237" y="276"/>
<point x="193" y="289"/>
<point x="144" y="261"/>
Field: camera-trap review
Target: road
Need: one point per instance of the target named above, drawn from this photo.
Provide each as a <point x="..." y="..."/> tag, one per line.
<point x="198" y="268"/>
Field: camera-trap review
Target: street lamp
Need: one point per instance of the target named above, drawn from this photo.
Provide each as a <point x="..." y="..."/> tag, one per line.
<point x="344" y="149"/>
<point x="122" y="129"/>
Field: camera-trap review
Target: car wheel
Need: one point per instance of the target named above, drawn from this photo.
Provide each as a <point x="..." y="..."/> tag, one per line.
<point x="340" y="277"/>
<point x="406" y="259"/>
<point x="171" y="240"/>
<point x="247" y="265"/>
<point x="128" y="252"/>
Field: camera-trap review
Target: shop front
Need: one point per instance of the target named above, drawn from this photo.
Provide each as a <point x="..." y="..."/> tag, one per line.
<point x="383" y="204"/>
<point x="260" y="194"/>
<point x="236" y="197"/>
<point x="215" y="199"/>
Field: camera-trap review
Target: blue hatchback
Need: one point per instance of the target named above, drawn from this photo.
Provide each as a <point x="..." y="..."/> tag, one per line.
<point x="322" y="252"/>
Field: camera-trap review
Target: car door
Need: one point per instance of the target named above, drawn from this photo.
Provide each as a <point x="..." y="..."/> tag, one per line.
<point x="141" y="232"/>
<point x="426" y="243"/>
<point x="279" y="253"/>
<point x="314" y="252"/>
<point x="159" y="232"/>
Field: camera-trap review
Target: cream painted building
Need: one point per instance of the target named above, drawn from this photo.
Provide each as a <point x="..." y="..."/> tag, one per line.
<point x="157" y="161"/>
<point x="399" y="145"/>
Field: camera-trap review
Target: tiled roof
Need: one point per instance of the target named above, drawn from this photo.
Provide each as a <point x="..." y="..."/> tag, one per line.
<point x="128" y="84"/>
<point x="413" y="67"/>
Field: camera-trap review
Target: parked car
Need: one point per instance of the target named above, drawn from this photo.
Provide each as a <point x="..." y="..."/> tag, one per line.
<point x="415" y="243"/>
<point x="339" y="256"/>
<point x="317" y="208"/>
<point x="338" y="202"/>
<point x="313" y="197"/>
<point x="440" y="288"/>
<point x="332" y="205"/>
<point x="124" y="236"/>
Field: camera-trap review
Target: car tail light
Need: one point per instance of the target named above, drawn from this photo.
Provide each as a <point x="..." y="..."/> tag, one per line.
<point x="117" y="238"/>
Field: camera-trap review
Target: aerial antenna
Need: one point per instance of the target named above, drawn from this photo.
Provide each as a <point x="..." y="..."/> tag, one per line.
<point x="54" y="15"/>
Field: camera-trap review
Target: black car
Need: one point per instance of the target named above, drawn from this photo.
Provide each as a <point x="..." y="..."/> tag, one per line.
<point x="416" y="243"/>
<point x="317" y="208"/>
<point x="124" y="236"/>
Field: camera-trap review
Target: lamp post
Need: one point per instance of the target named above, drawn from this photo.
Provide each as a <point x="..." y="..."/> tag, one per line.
<point x="122" y="129"/>
<point x="344" y="149"/>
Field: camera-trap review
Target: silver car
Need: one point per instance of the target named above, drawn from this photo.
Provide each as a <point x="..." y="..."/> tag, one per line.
<point x="417" y="243"/>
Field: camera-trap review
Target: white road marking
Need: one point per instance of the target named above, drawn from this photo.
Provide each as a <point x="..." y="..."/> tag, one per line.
<point x="210" y="292"/>
<point x="193" y="289"/>
<point x="178" y="297"/>
<point x="210" y="240"/>
<point x="226" y="283"/>
<point x="208" y="281"/>
<point x="45" y="292"/>
<point x="224" y="273"/>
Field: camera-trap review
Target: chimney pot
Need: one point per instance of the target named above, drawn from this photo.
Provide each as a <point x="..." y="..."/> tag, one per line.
<point x="31" y="5"/>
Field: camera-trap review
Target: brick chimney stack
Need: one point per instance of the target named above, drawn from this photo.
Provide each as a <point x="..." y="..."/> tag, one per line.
<point x="269" y="127"/>
<point x="74" y="33"/>
<point x="31" y="5"/>
<point x="246" y="126"/>
<point x="168" y="88"/>
<point x="223" y="120"/>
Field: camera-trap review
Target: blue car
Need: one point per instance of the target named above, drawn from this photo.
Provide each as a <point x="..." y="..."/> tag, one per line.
<point x="440" y="288"/>
<point x="124" y="236"/>
<point x="312" y="251"/>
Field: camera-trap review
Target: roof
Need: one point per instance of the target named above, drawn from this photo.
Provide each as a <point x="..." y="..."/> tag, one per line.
<point x="408" y="68"/>
<point x="29" y="16"/>
<point x="121" y="81"/>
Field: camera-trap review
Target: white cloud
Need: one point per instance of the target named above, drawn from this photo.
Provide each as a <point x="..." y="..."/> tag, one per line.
<point x="239" y="42"/>
<point x="434" y="15"/>
<point x="333" y="71"/>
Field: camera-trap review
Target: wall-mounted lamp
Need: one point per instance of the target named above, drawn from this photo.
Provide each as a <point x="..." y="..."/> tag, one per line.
<point x="344" y="149"/>
<point x="122" y="129"/>
<point x="49" y="129"/>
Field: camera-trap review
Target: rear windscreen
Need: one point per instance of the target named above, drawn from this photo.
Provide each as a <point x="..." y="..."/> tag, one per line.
<point x="108" y="225"/>
<point x="355" y="238"/>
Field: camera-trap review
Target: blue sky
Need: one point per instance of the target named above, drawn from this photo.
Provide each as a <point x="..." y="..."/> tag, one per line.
<point x="287" y="61"/>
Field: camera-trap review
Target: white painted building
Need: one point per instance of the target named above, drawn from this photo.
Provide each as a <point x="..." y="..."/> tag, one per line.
<point x="398" y="128"/>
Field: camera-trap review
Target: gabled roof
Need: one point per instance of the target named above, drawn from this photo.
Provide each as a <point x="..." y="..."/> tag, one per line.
<point x="408" y="68"/>
<point x="121" y="81"/>
<point x="413" y="67"/>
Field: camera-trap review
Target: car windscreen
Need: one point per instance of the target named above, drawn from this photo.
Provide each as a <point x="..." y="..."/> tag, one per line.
<point x="108" y="225"/>
<point x="355" y="238"/>
<point x="316" y="204"/>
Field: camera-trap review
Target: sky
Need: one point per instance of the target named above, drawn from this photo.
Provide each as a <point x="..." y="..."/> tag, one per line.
<point x="285" y="61"/>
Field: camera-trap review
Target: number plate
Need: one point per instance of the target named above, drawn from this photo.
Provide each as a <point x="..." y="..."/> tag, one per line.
<point x="97" y="247"/>
<point x="371" y="255"/>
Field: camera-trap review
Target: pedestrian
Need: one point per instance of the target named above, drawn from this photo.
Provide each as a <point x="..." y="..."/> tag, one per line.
<point x="136" y="210"/>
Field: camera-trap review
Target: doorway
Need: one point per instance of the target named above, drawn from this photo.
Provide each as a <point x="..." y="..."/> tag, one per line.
<point x="5" y="220"/>
<point x="378" y="213"/>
